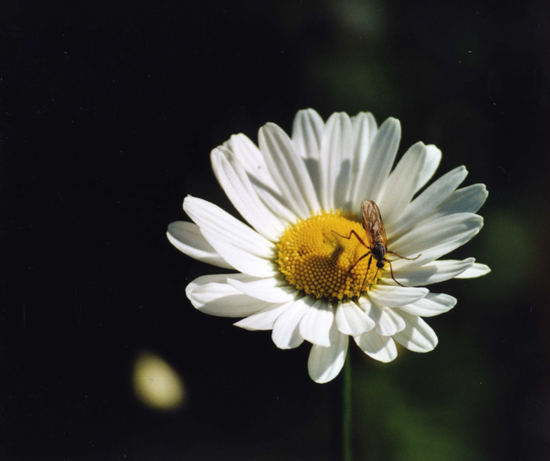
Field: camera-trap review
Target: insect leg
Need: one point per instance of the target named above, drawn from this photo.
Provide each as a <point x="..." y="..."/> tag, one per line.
<point x="352" y="232"/>
<point x="391" y="272"/>
<point x="362" y="257"/>
<point x="403" y="257"/>
<point x="366" y="272"/>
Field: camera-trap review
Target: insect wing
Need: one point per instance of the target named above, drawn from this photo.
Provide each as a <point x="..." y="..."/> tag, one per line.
<point x="372" y="222"/>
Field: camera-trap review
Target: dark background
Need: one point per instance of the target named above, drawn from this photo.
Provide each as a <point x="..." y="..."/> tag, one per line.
<point x="108" y="115"/>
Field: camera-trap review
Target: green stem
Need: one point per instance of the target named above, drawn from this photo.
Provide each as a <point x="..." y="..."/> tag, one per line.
<point x="346" y="410"/>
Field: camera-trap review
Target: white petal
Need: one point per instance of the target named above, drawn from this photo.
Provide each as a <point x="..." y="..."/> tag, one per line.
<point x="325" y="363"/>
<point x="279" y="204"/>
<point x="213" y="219"/>
<point x="335" y="161"/>
<point x="307" y="130"/>
<point x="390" y="323"/>
<point x="386" y="295"/>
<point x="387" y="322"/>
<point x="434" y="272"/>
<point x="381" y="348"/>
<point x="242" y="247"/>
<point x="430" y="165"/>
<point x="264" y="319"/>
<point x="286" y="331"/>
<point x="464" y="200"/>
<point x="433" y="239"/>
<point x="433" y="304"/>
<point x="212" y="295"/>
<point x="417" y="336"/>
<point x="306" y="133"/>
<point x="316" y="323"/>
<point x="352" y="320"/>
<point x="267" y="289"/>
<point x="411" y="173"/>
<point x="364" y="130"/>
<point x="427" y="202"/>
<point x="382" y="153"/>
<point x="248" y="154"/>
<point x="476" y="270"/>
<point x="187" y="237"/>
<point x="236" y="184"/>
<point x="207" y="288"/>
<point x="288" y="169"/>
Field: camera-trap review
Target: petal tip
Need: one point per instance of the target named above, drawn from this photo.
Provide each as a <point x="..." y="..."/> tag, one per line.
<point x="172" y="227"/>
<point x="393" y="122"/>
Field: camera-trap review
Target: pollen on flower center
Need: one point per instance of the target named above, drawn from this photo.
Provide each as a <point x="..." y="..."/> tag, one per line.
<point x="316" y="257"/>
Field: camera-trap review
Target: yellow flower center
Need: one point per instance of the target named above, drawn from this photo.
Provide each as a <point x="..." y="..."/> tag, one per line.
<point x="321" y="256"/>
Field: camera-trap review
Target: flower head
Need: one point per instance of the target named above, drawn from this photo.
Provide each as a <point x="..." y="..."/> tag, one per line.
<point x="309" y="265"/>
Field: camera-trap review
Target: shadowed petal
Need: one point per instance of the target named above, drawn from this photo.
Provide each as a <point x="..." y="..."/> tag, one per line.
<point x="187" y="237"/>
<point x="417" y="336"/>
<point x="381" y="348"/>
<point x="434" y="272"/>
<point x="288" y="169"/>
<point x="428" y="201"/>
<point x="475" y="270"/>
<point x="286" y="332"/>
<point x="386" y="295"/>
<point x="264" y="319"/>
<point x="352" y="320"/>
<point x="381" y="156"/>
<point x="433" y="304"/>
<point x="242" y="247"/>
<point x="212" y="295"/>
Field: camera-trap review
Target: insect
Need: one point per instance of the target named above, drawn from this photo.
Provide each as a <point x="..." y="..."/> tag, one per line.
<point x="376" y="233"/>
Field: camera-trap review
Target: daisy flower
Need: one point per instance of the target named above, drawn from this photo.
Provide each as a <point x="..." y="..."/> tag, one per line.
<point x="298" y="268"/>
